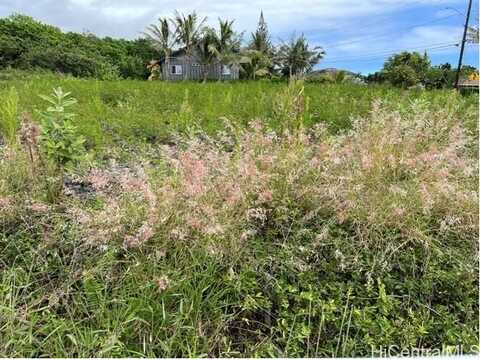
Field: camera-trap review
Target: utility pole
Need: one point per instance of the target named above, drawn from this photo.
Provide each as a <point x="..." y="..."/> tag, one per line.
<point x="464" y="39"/>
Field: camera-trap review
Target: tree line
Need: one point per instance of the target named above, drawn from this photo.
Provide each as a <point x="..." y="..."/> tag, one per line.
<point x="258" y="58"/>
<point x="29" y="44"/>
<point x="408" y="69"/>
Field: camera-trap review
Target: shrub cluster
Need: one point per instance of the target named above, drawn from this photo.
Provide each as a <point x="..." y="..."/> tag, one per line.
<point x="28" y="44"/>
<point x="407" y="69"/>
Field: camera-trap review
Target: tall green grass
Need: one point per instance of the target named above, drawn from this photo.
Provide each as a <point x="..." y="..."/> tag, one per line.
<point x="141" y="111"/>
<point x="9" y="121"/>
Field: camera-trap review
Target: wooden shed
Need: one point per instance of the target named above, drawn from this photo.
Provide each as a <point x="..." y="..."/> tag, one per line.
<point x="180" y="67"/>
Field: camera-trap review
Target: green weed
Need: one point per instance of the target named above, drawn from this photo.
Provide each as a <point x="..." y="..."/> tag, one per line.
<point x="9" y="121"/>
<point x="194" y="231"/>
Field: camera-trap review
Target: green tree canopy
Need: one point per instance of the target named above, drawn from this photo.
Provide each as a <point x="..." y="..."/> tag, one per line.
<point x="27" y="44"/>
<point x="406" y="69"/>
<point x="296" y="57"/>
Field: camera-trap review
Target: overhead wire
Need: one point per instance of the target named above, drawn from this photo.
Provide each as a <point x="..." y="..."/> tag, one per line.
<point x="375" y="36"/>
<point x="386" y="52"/>
<point x="376" y="58"/>
<point x="376" y="55"/>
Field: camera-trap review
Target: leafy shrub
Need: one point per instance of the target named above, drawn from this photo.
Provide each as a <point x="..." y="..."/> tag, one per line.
<point x="105" y="71"/>
<point x="406" y="69"/>
<point x="60" y="140"/>
<point x="403" y="76"/>
<point x="61" y="60"/>
<point x="133" y="67"/>
<point x="439" y="77"/>
<point x="10" y="50"/>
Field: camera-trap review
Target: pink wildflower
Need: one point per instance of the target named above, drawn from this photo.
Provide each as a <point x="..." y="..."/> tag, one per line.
<point x="367" y="161"/>
<point x="162" y="283"/>
<point x="265" y="196"/>
<point x="195" y="172"/>
<point x="194" y="223"/>
<point x="5" y="202"/>
<point x="39" y="207"/>
<point x="399" y="211"/>
<point x="143" y="234"/>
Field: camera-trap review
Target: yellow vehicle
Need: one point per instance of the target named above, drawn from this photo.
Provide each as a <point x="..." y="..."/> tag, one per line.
<point x="475" y="76"/>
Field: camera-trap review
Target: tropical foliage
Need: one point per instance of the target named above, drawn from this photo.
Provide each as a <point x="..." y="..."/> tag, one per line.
<point x="259" y="58"/>
<point x="408" y="69"/>
<point x="296" y="57"/>
<point x="206" y="50"/>
<point x="188" y="31"/>
<point x="162" y="38"/>
<point x="29" y="44"/>
<point x="260" y="53"/>
<point x="60" y="140"/>
<point x="190" y="34"/>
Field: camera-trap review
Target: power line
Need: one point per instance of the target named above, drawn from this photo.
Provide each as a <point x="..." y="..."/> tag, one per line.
<point x="375" y="58"/>
<point x="386" y="55"/>
<point x="383" y="35"/>
<point x="386" y="52"/>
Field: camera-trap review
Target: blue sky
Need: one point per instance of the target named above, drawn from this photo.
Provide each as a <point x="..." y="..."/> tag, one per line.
<point x="358" y="35"/>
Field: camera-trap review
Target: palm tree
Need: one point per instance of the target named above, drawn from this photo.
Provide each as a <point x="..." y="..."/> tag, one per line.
<point x="162" y="40"/>
<point x="297" y="58"/>
<point x="256" y="63"/>
<point x="228" y="43"/>
<point x="260" y="52"/>
<point x="226" y="35"/>
<point x="188" y="32"/>
<point x="207" y="50"/>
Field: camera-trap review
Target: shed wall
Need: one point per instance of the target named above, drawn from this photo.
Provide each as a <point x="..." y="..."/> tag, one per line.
<point x="193" y="70"/>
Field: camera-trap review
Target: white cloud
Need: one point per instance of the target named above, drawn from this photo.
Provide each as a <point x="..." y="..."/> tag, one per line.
<point x="433" y="35"/>
<point x="125" y="12"/>
<point x="82" y="2"/>
<point x="345" y="28"/>
<point x="283" y="16"/>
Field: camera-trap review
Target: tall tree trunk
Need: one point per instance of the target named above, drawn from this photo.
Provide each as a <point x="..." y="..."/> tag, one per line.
<point x="186" y="62"/>
<point x="167" y="65"/>
<point x="220" y="73"/>
<point x="184" y="69"/>
<point x="204" y="73"/>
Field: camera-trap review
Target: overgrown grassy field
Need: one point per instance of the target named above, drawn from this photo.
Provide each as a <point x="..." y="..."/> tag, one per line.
<point x="237" y="219"/>
<point x="133" y="111"/>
